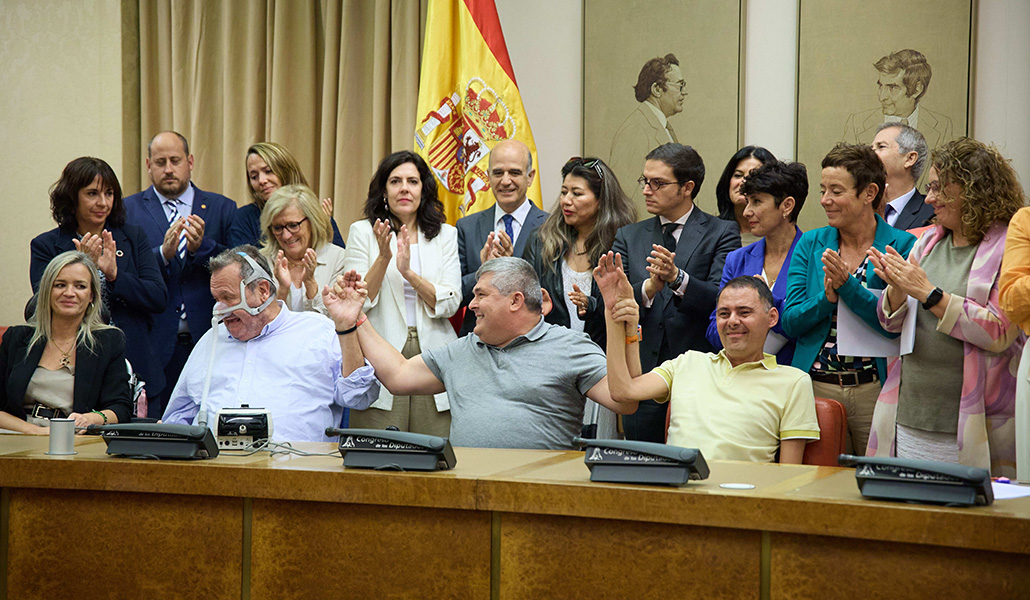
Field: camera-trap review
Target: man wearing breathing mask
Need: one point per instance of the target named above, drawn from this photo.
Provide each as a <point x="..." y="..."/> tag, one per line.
<point x="261" y="354"/>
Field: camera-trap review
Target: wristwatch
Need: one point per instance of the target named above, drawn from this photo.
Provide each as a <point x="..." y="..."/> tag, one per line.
<point x="934" y="298"/>
<point x="676" y="283"/>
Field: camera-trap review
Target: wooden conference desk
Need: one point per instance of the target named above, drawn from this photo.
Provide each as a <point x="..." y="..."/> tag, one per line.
<point x="504" y="523"/>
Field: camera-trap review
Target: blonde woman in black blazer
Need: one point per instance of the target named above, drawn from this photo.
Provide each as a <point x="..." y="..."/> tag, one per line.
<point x="65" y="338"/>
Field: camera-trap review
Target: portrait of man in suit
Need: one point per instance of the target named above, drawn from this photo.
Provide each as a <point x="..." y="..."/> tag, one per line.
<point x="904" y="77"/>
<point x="660" y="91"/>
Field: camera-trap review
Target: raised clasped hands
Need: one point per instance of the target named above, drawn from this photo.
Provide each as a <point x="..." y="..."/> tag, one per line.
<point x="102" y="250"/>
<point x="611" y="279"/>
<point x="344" y="299"/>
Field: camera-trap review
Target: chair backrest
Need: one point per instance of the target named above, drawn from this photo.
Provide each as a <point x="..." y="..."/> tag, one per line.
<point x="833" y="422"/>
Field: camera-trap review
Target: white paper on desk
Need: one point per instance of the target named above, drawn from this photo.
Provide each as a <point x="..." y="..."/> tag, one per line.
<point x="856" y="338"/>
<point x="1007" y="491"/>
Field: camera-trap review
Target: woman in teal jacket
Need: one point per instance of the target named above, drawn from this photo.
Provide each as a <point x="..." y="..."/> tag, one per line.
<point x="830" y="265"/>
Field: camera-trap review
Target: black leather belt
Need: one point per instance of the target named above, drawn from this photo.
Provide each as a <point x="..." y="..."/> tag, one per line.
<point x="41" y="411"/>
<point x="845" y="378"/>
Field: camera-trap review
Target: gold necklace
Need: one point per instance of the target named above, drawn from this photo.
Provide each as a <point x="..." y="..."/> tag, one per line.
<point x="65" y="354"/>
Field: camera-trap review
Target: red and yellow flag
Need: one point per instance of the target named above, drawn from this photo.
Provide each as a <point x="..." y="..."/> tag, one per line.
<point x="468" y="101"/>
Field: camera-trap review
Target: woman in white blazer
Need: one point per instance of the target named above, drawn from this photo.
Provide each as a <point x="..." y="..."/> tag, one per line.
<point x="408" y="257"/>
<point x="298" y="244"/>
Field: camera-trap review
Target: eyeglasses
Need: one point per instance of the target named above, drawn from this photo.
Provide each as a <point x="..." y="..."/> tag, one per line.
<point x="654" y="184"/>
<point x="682" y="85"/>
<point x="291" y="227"/>
<point x="593" y="163"/>
<point x="934" y="187"/>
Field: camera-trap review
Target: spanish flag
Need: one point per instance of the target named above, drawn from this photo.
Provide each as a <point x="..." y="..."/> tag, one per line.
<point x="468" y="101"/>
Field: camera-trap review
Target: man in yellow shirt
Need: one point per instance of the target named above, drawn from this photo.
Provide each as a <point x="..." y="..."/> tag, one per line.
<point x="735" y="405"/>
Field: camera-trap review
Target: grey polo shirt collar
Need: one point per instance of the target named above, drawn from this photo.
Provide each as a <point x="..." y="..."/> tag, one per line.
<point x="532" y="335"/>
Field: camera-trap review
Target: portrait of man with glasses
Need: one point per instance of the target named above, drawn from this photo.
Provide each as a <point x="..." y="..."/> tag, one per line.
<point x="674" y="261"/>
<point x="660" y="91"/>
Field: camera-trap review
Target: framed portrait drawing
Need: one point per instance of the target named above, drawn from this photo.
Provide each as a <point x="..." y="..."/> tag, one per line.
<point x="657" y="71"/>
<point x="862" y="64"/>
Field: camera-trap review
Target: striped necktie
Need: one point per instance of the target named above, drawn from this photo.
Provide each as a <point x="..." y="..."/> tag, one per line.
<point x="174" y="216"/>
<point x="180" y="250"/>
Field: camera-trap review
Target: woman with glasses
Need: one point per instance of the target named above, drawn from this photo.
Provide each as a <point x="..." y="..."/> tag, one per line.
<point x="66" y="363"/>
<point x="565" y="249"/>
<point x="408" y="257"/>
<point x="298" y="245"/>
<point x="270" y="166"/>
<point x="730" y="200"/>
<point x="952" y="399"/>
<point x="775" y="193"/>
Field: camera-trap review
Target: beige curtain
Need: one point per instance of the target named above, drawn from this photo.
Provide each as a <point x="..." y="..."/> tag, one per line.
<point x="334" y="81"/>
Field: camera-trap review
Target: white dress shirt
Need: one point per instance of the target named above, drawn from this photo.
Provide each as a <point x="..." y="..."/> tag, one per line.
<point x="518" y="219"/>
<point x="676" y="236"/>
<point x="292" y="368"/>
<point x="899" y="204"/>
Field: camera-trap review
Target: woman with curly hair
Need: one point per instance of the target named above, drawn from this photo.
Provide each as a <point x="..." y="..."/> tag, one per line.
<point x="408" y="256"/>
<point x="953" y="398"/>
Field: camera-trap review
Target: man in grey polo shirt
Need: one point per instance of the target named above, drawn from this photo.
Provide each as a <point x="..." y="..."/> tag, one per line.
<point x="515" y="382"/>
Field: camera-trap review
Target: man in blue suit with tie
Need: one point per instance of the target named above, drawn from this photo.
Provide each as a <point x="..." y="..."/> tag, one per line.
<point x="504" y="229"/>
<point x="185" y="227"/>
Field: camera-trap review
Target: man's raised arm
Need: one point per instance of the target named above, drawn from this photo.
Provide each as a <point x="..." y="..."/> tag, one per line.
<point x="359" y="340"/>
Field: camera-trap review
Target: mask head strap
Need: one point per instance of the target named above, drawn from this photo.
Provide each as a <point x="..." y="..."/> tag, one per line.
<point x="257" y="274"/>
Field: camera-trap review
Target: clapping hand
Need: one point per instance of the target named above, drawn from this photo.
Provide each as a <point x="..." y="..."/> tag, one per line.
<point x="579" y="299"/>
<point x="102" y="249"/>
<point x="382" y="231"/>
<point x="906" y="275"/>
<point x="194" y="228"/>
<point x="403" y="251"/>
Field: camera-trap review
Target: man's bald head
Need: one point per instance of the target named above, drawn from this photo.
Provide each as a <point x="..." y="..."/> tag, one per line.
<point x="511" y="173"/>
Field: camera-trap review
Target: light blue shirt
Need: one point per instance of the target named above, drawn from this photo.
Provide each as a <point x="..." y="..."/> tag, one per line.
<point x="292" y="368"/>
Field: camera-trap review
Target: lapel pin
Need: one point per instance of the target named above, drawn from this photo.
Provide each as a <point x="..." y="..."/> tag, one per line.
<point x="203" y="206"/>
<point x="119" y="253"/>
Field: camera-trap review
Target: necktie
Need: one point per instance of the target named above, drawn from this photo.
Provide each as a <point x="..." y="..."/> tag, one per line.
<point x="180" y="249"/>
<point x="174" y="216"/>
<point x="667" y="238"/>
<point x="887" y="214"/>
<point x="904" y="121"/>
<point x="508" y="228"/>
<point x="672" y="132"/>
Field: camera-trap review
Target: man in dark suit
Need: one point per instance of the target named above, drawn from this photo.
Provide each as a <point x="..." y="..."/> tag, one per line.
<point x="185" y="227"/>
<point x="674" y="262"/>
<point x="904" y="153"/>
<point x="503" y="229"/>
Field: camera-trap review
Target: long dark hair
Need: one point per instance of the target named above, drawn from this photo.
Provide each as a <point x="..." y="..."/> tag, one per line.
<point x="722" y="189"/>
<point x="79" y="173"/>
<point x="613" y="211"/>
<point x="430" y="210"/>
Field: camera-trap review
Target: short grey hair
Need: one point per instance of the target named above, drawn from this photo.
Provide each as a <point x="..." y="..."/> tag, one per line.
<point x="232" y="256"/>
<point x="909" y="139"/>
<point x="514" y="275"/>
